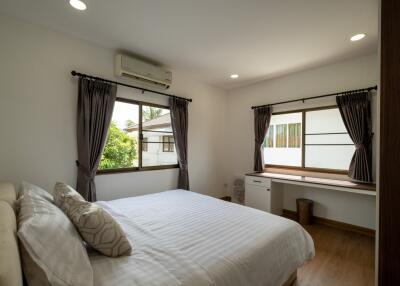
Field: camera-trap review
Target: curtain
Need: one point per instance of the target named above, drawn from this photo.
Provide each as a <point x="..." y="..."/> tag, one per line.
<point x="95" y="106"/>
<point x="179" y="122"/>
<point x="262" y="118"/>
<point x="355" y="110"/>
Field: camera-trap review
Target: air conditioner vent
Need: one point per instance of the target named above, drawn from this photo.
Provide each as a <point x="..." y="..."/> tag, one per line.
<point x="142" y="72"/>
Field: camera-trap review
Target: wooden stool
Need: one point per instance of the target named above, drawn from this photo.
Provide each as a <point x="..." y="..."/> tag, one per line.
<point x="304" y="211"/>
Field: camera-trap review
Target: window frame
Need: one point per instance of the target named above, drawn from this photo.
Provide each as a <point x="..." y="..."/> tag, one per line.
<point x="302" y="145"/>
<point x="140" y="168"/>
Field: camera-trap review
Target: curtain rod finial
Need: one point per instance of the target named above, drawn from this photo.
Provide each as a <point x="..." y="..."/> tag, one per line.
<point x="73" y="73"/>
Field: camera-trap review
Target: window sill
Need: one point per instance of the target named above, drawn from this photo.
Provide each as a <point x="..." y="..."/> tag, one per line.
<point x="133" y="170"/>
<point x="317" y="171"/>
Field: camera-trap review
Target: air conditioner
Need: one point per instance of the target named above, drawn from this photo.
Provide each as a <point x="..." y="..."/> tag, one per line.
<point x="142" y="72"/>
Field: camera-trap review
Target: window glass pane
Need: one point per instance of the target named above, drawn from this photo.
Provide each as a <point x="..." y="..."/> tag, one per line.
<point x="294" y="135"/>
<point x="324" y="121"/>
<point x="329" y="139"/>
<point x="336" y="157"/>
<point x="327" y="143"/>
<point x="121" y="149"/>
<point x="280" y="153"/>
<point x="157" y="130"/>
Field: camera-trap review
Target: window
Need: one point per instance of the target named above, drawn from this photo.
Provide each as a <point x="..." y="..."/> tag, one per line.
<point x="168" y="143"/>
<point x="131" y="121"/>
<point x="326" y="142"/>
<point x="287" y="150"/>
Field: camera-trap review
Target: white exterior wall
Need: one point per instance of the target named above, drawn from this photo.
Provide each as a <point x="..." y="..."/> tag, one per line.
<point x="155" y="154"/>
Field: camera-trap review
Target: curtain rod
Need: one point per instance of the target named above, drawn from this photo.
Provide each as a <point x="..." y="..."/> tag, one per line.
<point x="319" y="96"/>
<point x="74" y="73"/>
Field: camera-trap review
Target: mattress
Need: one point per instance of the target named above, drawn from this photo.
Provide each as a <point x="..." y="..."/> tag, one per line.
<point x="185" y="238"/>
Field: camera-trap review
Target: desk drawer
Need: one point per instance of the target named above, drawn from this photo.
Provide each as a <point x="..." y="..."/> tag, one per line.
<point x="258" y="181"/>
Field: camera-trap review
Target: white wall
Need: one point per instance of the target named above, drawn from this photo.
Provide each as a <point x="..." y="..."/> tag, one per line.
<point x="38" y="98"/>
<point x="351" y="74"/>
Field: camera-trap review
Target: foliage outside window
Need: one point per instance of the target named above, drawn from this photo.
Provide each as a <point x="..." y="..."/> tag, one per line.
<point x="121" y="151"/>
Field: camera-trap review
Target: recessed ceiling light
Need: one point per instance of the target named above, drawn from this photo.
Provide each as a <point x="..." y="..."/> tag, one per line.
<point x="78" y="4"/>
<point x="357" y="37"/>
<point x="234" y="76"/>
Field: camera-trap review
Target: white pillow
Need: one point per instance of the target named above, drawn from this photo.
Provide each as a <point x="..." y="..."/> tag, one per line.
<point x="52" y="242"/>
<point x="28" y="187"/>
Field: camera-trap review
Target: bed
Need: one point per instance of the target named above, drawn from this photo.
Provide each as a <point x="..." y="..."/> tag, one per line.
<point x="185" y="238"/>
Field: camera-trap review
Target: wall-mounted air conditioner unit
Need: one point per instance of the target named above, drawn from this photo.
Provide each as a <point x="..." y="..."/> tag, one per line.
<point x="142" y="72"/>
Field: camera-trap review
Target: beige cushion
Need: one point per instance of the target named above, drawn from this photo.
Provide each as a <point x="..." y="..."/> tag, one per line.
<point x="8" y="193"/>
<point x="10" y="265"/>
<point x="64" y="196"/>
<point x="99" y="229"/>
<point x="52" y="242"/>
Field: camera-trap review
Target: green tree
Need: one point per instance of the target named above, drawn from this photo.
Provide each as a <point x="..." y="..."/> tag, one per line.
<point x="129" y="123"/>
<point x="150" y="113"/>
<point x="120" y="150"/>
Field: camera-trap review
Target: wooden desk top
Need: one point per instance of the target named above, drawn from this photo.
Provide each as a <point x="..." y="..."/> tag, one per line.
<point x="335" y="180"/>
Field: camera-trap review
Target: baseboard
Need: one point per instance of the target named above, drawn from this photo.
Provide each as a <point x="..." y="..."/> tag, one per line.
<point x="333" y="223"/>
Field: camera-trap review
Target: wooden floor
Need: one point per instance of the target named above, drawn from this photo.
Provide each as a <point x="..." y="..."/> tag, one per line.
<point x="342" y="258"/>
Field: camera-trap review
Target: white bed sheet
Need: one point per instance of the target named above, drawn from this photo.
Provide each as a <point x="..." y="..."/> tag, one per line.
<point x="185" y="238"/>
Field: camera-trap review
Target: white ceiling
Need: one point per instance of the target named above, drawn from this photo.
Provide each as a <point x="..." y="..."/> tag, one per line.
<point x="211" y="39"/>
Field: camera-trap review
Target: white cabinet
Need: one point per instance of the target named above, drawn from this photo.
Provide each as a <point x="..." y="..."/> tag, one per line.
<point x="260" y="195"/>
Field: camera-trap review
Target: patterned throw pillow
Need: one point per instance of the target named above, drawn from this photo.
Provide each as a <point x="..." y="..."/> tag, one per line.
<point x="99" y="229"/>
<point x="65" y="196"/>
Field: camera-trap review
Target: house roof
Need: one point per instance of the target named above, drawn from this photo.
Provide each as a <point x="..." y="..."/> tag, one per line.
<point x="161" y="121"/>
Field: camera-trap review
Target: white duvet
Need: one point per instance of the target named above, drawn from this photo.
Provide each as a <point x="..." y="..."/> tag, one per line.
<point x="184" y="238"/>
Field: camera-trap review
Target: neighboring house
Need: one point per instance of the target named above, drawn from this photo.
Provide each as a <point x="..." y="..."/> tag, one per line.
<point x="158" y="142"/>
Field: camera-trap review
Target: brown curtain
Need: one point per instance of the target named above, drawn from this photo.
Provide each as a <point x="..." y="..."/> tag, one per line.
<point x="356" y="114"/>
<point x="179" y="121"/>
<point x="95" y="106"/>
<point x="262" y="118"/>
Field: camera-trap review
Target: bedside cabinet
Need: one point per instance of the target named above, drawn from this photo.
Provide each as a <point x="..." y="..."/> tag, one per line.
<point x="262" y="194"/>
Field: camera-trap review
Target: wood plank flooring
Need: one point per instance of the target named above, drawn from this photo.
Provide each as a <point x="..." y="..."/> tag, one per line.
<point x="342" y="258"/>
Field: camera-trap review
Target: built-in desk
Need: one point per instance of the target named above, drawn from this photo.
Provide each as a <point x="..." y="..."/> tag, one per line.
<point x="263" y="193"/>
<point x="318" y="180"/>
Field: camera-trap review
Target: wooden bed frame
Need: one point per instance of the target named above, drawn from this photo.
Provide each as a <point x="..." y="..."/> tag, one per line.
<point x="10" y="262"/>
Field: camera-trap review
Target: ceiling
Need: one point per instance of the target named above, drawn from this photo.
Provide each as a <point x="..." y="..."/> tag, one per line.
<point x="211" y="39"/>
